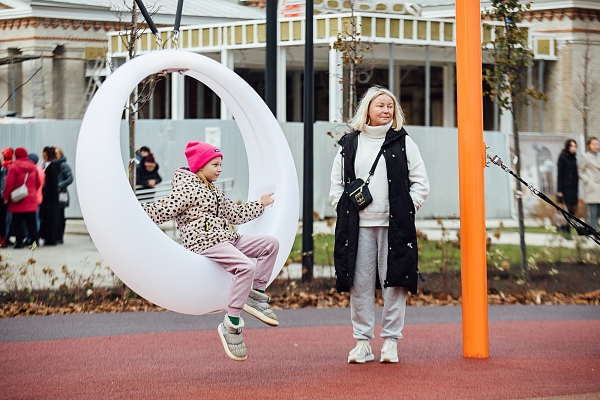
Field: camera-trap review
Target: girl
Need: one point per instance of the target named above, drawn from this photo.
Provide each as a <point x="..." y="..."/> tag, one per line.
<point x="203" y="216"/>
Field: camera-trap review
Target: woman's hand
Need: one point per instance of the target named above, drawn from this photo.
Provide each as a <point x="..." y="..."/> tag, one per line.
<point x="559" y="194"/>
<point x="266" y="199"/>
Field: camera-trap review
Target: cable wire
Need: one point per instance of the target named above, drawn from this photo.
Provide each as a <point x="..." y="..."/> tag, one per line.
<point x="581" y="227"/>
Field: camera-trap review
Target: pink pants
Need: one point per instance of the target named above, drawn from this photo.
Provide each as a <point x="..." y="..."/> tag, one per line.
<point x="235" y="257"/>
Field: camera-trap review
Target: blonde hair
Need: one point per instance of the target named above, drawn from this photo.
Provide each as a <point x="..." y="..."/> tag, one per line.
<point x="361" y="117"/>
<point x="200" y="175"/>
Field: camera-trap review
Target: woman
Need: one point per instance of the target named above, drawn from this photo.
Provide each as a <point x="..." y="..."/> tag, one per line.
<point x="148" y="177"/>
<point x="50" y="211"/>
<point x="22" y="171"/>
<point x="568" y="181"/>
<point x="5" y="217"/>
<point x="65" y="178"/>
<point x="589" y="172"/>
<point x="379" y="240"/>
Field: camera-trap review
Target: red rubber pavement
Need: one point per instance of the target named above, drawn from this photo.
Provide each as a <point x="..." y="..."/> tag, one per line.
<point x="528" y="359"/>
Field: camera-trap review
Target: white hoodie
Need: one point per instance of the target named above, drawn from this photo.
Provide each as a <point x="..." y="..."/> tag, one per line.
<point x="369" y="144"/>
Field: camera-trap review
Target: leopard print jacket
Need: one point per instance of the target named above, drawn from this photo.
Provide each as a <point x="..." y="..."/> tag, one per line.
<point x="203" y="216"/>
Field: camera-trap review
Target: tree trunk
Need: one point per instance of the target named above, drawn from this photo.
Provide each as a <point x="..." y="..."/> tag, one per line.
<point x="132" y="120"/>
<point x="524" y="266"/>
<point x="351" y="89"/>
<point x="585" y="104"/>
<point x="132" y="115"/>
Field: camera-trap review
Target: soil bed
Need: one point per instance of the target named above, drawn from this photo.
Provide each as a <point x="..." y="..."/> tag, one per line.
<point x="560" y="283"/>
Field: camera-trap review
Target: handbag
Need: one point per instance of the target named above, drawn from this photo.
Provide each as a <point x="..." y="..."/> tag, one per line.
<point x="358" y="190"/>
<point x="21" y="192"/>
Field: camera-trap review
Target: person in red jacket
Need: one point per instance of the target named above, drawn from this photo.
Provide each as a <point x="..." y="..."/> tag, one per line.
<point x="22" y="170"/>
<point x="7" y="159"/>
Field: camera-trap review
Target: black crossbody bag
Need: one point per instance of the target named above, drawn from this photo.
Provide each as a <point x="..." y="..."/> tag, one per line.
<point x="358" y="190"/>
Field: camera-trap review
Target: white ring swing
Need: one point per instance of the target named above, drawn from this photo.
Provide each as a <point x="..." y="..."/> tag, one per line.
<point x="139" y="253"/>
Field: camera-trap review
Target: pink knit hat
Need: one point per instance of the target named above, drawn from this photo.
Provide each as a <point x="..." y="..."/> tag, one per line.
<point x="199" y="154"/>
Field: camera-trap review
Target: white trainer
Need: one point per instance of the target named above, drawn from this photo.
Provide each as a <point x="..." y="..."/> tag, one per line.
<point x="389" y="351"/>
<point x="362" y="353"/>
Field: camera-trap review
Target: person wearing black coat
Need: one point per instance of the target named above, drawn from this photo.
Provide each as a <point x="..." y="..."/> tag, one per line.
<point x="147" y="176"/>
<point x="377" y="245"/>
<point x="50" y="213"/>
<point x="568" y="181"/>
<point x="65" y="178"/>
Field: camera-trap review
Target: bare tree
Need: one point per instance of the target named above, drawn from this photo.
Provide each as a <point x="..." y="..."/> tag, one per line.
<point x="353" y="54"/>
<point x="588" y="84"/>
<point x="511" y="56"/>
<point x="133" y="31"/>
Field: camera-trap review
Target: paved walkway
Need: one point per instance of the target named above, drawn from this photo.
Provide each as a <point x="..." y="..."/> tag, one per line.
<point x="82" y="259"/>
<point x="536" y="352"/>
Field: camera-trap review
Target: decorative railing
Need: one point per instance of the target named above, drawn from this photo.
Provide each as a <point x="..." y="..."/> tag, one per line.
<point x="372" y="27"/>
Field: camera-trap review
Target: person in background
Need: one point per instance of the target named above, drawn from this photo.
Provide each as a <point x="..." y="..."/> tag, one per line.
<point x="42" y="178"/>
<point x="50" y="209"/>
<point x="568" y="181"/>
<point x="141" y="153"/>
<point x="65" y="178"/>
<point x="3" y="207"/>
<point x="148" y="176"/>
<point x="7" y="160"/>
<point x="589" y="173"/>
<point x="22" y="171"/>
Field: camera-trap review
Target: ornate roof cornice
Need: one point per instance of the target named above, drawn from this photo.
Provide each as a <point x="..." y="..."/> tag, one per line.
<point x="55" y="23"/>
<point x="571" y="13"/>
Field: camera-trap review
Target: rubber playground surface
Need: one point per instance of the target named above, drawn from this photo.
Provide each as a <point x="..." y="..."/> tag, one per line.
<point x="550" y="352"/>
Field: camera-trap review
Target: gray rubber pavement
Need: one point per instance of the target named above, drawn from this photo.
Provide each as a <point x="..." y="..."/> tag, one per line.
<point x="54" y="327"/>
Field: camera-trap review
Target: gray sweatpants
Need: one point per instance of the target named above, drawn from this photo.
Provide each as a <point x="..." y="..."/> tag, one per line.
<point x="372" y="255"/>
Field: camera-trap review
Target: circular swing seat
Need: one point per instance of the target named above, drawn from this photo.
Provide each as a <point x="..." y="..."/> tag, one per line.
<point x="138" y="252"/>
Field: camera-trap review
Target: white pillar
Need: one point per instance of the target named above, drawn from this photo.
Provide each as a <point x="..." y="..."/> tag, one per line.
<point x="397" y="89"/>
<point x="427" y="87"/>
<point x="227" y="60"/>
<point x="449" y="96"/>
<point x="336" y="74"/>
<point x="281" y="84"/>
<point x="506" y="122"/>
<point x="177" y="96"/>
<point x="391" y="74"/>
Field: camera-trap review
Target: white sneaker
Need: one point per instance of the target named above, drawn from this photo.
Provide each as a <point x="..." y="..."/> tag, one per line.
<point x="389" y="352"/>
<point x="361" y="353"/>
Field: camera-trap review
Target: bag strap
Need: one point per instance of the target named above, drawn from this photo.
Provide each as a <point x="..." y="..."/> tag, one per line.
<point x="372" y="171"/>
<point x="25" y="180"/>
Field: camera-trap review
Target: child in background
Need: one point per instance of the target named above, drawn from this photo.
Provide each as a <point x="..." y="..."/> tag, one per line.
<point x="203" y="216"/>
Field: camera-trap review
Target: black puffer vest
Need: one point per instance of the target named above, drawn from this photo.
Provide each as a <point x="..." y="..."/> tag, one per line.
<point x="402" y="260"/>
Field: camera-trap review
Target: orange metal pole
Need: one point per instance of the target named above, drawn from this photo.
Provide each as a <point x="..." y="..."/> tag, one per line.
<point x="471" y="162"/>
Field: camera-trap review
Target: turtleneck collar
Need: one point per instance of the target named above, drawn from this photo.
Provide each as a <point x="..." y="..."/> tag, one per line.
<point x="377" y="132"/>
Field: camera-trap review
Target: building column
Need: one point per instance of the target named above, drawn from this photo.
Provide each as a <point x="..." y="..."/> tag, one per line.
<point x="391" y="74"/>
<point x="449" y="96"/>
<point x="397" y="89"/>
<point x="506" y="122"/>
<point x="336" y="94"/>
<point x="68" y="82"/>
<point x="177" y="96"/>
<point x="227" y="59"/>
<point x="281" y="84"/>
<point x="427" y="87"/>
